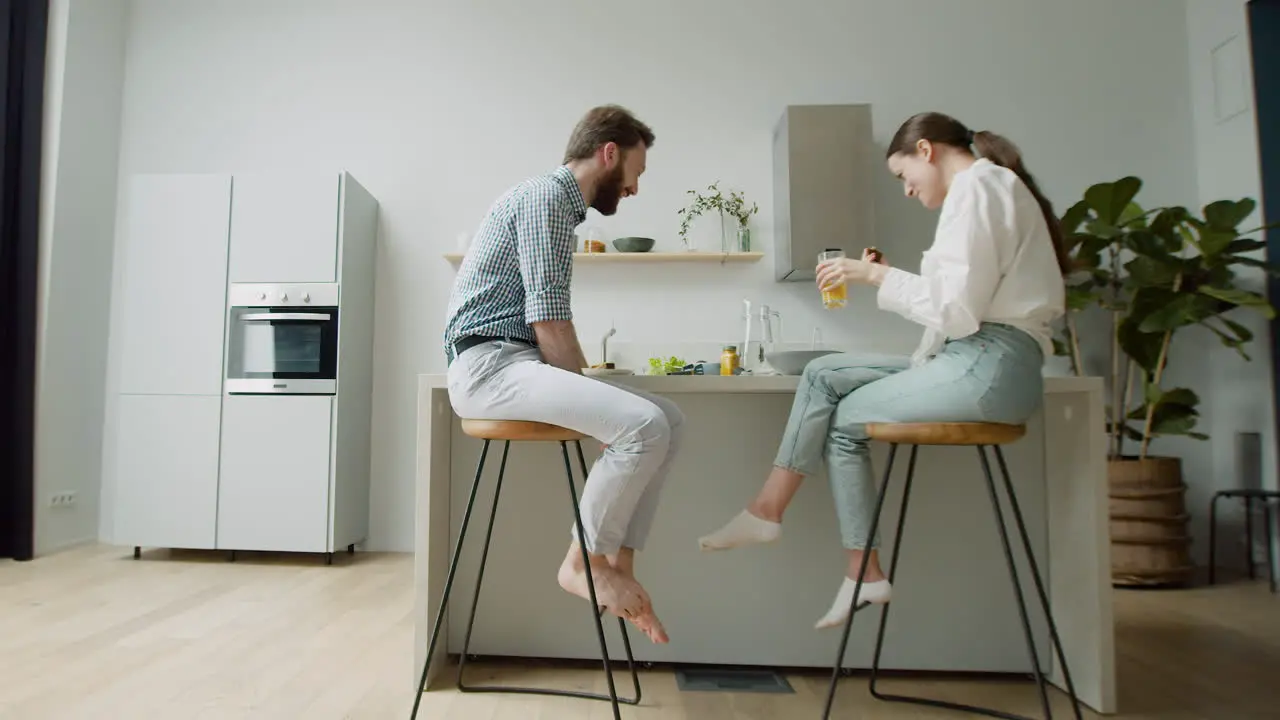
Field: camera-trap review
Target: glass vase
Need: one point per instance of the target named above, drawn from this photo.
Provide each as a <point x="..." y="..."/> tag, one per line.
<point x="744" y="239"/>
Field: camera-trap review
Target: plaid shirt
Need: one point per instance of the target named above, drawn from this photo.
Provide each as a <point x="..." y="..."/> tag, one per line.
<point x="519" y="267"/>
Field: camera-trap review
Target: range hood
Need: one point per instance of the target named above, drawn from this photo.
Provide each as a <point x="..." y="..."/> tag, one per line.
<point x="823" y="159"/>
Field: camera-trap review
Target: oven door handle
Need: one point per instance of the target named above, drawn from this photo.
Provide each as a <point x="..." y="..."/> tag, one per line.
<point x="268" y="317"/>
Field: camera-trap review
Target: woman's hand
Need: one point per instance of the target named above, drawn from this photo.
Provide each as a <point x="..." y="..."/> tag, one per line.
<point x="834" y="273"/>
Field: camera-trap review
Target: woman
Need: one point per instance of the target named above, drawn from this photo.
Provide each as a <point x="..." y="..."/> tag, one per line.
<point x="987" y="292"/>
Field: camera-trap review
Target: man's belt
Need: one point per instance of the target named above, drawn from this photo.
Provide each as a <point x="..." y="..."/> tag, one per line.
<point x="469" y="341"/>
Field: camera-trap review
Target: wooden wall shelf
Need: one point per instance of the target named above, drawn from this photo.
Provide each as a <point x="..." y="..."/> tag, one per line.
<point x="651" y="257"/>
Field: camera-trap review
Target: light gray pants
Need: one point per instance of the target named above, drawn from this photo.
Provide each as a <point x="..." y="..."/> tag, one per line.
<point x="993" y="375"/>
<point x="509" y="381"/>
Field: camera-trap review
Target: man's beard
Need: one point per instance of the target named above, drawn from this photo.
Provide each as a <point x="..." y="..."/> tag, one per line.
<point x="609" y="192"/>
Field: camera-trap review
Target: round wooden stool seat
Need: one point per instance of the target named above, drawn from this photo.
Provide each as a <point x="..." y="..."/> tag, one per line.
<point x="519" y="430"/>
<point x="953" y="433"/>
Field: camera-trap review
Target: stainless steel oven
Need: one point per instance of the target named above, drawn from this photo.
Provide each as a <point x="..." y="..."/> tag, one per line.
<point x="282" y="339"/>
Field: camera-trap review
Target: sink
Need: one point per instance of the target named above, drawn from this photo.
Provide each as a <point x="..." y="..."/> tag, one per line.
<point x="792" y="362"/>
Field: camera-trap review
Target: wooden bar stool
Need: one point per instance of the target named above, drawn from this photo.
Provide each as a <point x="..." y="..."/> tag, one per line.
<point x="979" y="435"/>
<point x="509" y="431"/>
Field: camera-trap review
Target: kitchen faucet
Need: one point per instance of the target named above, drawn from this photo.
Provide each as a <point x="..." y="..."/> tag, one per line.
<point x="604" y="345"/>
<point x="767" y="339"/>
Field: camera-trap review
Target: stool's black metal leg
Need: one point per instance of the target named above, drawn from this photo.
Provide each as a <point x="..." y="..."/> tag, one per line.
<point x="591" y="585"/>
<point x="1039" y="582"/>
<point x="622" y="624"/>
<point x="1213" y="537"/>
<point x="448" y="583"/>
<point x="1017" y="585"/>
<point x="893" y="572"/>
<point x="893" y="565"/>
<point x="1248" y="538"/>
<point x="612" y="696"/>
<point x="484" y="560"/>
<point x="1267" y="525"/>
<point x="857" y="588"/>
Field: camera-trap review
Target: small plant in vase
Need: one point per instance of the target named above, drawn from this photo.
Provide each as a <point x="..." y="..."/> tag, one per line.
<point x="714" y="200"/>
<point x="736" y="207"/>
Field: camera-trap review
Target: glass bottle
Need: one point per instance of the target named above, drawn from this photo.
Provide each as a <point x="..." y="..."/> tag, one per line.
<point x="729" y="360"/>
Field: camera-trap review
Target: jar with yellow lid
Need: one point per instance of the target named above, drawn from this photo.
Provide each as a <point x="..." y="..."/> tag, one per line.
<point x="729" y="360"/>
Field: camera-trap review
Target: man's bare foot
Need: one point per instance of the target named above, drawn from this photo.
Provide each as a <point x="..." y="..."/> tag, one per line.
<point x="619" y="594"/>
<point x="617" y="589"/>
<point x="624" y="562"/>
<point x="648" y="623"/>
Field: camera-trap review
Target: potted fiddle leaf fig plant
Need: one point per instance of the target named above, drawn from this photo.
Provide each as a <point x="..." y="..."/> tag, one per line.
<point x="1153" y="273"/>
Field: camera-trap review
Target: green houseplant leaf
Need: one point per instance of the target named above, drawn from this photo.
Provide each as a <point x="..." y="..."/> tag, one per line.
<point x="1228" y="214"/>
<point x="1074" y="217"/>
<point x="1242" y="298"/>
<point x="1244" y="245"/>
<point x="1180" y="311"/>
<point x="1149" y="271"/>
<point x="1111" y="200"/>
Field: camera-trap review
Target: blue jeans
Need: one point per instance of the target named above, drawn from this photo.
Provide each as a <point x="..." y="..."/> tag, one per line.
<point x="993" y="375"/>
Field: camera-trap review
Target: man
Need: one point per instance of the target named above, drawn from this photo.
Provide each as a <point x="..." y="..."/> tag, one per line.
<point x="514" y="354"/>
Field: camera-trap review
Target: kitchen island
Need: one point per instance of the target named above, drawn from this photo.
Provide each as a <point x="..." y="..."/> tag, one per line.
<point x="953" y="606"/>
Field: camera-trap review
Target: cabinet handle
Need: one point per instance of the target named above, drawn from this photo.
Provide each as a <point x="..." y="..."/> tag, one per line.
<point x="267" y="317"/>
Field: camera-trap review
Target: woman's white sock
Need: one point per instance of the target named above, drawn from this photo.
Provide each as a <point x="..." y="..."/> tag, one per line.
<point x="877" y="592"/>
<point x="745" y="529"/>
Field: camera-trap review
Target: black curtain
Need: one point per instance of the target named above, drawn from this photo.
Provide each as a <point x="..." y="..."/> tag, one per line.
<point x="23" y="29"/>
<point x="1264" y="40"/>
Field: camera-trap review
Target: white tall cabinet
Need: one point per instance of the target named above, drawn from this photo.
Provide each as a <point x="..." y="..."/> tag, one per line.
<point x="189" y="465"/>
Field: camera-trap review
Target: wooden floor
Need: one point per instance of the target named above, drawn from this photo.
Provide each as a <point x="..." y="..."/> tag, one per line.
<point x="92" y="633"/>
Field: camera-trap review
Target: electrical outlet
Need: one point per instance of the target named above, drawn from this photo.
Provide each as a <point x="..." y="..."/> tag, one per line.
<point x="63" y="499"/>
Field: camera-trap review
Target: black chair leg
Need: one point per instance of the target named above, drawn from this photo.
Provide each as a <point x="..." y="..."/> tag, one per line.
<point x="448" y="583"/>
<point x="622" y="624"/>
<point x="1054" y="638"/>
<point x="1213" y="537"/>
<point x="893" y="572"/>
<point x="591" y="586"/>
<point x="1248" y="538"/>
<point x="1268" y="527"/>
<point x="612" y="697"/>
<point x="1017" y="585"/>
<point x="857" y="588"/>
<point x="484" y="560"/>
<point x="1013" y="574"/>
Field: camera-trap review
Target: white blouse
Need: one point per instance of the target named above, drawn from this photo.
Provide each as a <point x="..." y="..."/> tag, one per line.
<point x="992" y="260"/>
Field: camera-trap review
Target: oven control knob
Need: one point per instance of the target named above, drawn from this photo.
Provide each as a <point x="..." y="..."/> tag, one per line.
<point x="262" y="296"/>
<point x="306" y="297"/>
<point x="284" y="297"/>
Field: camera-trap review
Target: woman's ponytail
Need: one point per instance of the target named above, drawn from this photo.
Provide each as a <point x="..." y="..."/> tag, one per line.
<point x="1002" y="152"/>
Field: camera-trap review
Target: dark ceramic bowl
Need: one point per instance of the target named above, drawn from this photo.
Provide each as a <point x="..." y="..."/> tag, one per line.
<point x="633" y="244"/>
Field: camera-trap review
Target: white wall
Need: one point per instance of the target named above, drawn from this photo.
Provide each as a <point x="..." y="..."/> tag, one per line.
<point x="85" y="78"/>
<point x="1226" y="153"/>
<point x="438" y="107"/>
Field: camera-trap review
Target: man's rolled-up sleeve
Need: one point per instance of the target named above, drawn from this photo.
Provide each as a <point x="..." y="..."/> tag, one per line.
<point x="544" y="245"/>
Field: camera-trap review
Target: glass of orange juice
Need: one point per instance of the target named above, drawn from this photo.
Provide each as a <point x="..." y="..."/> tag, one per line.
<point x="836" y="297"/>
